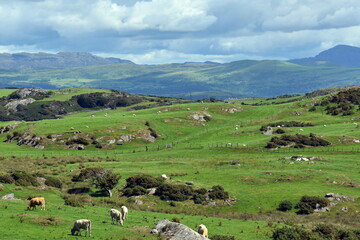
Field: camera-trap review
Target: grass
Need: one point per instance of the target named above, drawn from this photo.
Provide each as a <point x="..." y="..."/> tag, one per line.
<point x="199" y="152"/>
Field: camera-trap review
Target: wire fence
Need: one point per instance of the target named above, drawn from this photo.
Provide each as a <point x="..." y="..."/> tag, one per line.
<point x="238" y="147"/>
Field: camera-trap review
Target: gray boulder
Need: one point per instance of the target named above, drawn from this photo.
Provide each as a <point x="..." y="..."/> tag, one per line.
<point x="176" y="231"/>
<point x="9" y="197"/>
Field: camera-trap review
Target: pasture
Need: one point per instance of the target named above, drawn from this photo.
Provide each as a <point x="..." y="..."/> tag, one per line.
<point x="225" y="148"/>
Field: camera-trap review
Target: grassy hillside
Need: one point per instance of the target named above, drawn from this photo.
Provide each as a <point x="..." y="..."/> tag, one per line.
<point x="192" y="80"/>
<point x="209" y="144"/>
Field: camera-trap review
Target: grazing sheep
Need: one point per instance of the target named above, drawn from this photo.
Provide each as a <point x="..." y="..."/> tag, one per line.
<point x="124" y="212"/>
<point x="117" y="215"/>
<point x="81" y="224"/>
<point x="203" y="231"/>
<point x="36" y="202"/>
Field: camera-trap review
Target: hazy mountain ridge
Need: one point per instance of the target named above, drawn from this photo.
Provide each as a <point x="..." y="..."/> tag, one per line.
<point x="194" y="80"/>
<point x="60" y="60"/>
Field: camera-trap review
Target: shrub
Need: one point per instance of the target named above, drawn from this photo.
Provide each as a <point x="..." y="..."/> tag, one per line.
<point x="87" y="174"/>
<point x="293" y="233"/>
<point x="79" y="140"/>
<point x="53" y="182"/>
<point x="285" y="206"/>
<point x="24" y="179"/>
<point x="144" y="180"/>
<point x="218" y="193"/>
<point x="174" y="192"/>
<point x="307" y="204"/>
<point x="175" y="219"/>
<point x="1" y="187"/>
<point x="279" y="131"/>
<point x="78" y="190"/>
<point x="6" y="179"/>
<point x="325" y="231"/>
<point x="134" y="191"/>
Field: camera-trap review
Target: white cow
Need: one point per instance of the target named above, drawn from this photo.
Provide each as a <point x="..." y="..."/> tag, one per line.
<point x="117" y="215"/>
<point x="81" y="224"/>
<point x="124" y="212"/>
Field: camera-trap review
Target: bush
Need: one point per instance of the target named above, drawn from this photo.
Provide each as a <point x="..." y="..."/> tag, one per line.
<point x="279" y="131"/>
<point x="78" y="190"/>
<point x="325" y="231"/>
<point x="307" y="204"/>
<point x="293" y="233"/>
<point x="87" y="174"/>
<point x="53" y="182"/>
<point x="174" y="192"/>
<point x="134" y="191"/>
<point x="24" y="179"/>
<point x="285" y="206"/>
<point x="6" y="179"/>
<point x="297" y="140"/>
<point x="218" y="193"/>
<point x="144" y="180"/>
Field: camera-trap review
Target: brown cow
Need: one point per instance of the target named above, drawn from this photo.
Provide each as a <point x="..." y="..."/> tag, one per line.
<point x="35" y="202"/>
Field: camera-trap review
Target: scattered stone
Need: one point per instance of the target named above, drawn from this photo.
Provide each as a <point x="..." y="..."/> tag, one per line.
<point x="151" y="191"/>
<point x="268" y="131"/>
<point x="190" y="183"/>
<point x="138" y="202"/>
<point x="339" y="198"/>
<point x="344" y="209"/>
<point x="212" y="204"/>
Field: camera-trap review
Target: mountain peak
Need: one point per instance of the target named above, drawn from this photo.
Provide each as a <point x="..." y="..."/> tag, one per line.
<point x="340" y="55"/>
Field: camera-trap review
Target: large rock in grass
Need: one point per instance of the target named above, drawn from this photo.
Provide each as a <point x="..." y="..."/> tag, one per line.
<point x="176" y="231"/>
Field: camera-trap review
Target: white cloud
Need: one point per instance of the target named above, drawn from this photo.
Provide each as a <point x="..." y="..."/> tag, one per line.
<point x="181" y="29"/>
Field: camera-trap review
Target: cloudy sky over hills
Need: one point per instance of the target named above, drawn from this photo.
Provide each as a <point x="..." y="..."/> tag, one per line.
<point x="163" y="31"/>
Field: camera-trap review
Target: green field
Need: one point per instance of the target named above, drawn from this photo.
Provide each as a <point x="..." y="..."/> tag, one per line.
<point x="185" y="149"/>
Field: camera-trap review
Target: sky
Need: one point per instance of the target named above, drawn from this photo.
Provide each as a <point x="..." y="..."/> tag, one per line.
<point x="168" y="31"/>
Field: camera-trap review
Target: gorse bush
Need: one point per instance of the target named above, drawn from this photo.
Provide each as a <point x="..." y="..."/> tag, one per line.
<point x="297" y="140"/>
<point x="53" y="182"/>
<point x="174" y="192"/>
<point x="24" y="179"/>
<point x="218" y="193"/>
<point x="285" y="206"/>
<point x="307" y="204"/>
<point x="144" y="180"/>
<point x="6" y="179"/>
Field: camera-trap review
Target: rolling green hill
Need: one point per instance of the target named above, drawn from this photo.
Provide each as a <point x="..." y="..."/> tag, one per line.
<point x="196" y="144"/>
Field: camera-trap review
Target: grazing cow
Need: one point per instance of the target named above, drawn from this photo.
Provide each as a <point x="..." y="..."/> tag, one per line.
<point x="81" y="224"/>
<point x="124" y="212"/>
<point x="203" y="231"/>
<point x="35" y="202"/>
<point x="117" y="215"/>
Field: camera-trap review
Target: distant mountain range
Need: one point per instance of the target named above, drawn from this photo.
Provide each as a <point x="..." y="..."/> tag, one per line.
<point x="60" y="60"/>
<point x="338" y="66"/>
<point x="340" y="55"/>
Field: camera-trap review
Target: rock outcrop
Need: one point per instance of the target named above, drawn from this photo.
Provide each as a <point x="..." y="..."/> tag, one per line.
<point x="176" y="231"/>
